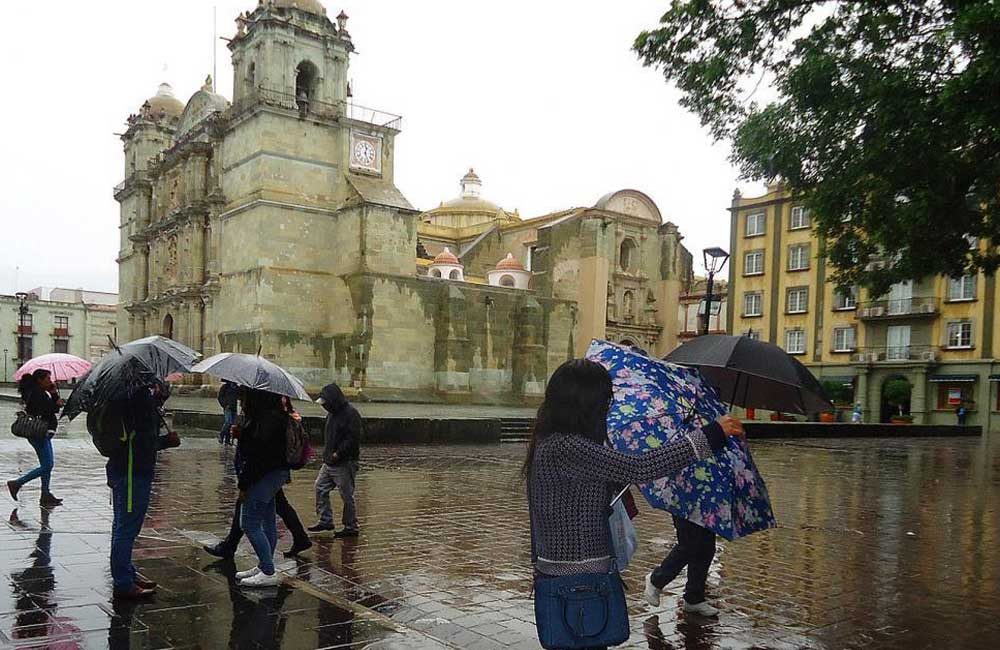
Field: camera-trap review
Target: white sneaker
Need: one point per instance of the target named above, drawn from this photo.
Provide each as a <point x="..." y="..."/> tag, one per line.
<point x="701" y="609"/>
<point x="261" y="579"/>
<point x="651" y="593"/>
<point x="249" y="573"/>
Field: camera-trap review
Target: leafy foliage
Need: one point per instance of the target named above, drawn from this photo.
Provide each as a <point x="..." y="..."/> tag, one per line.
<point x="897" y="393"/>
<point x="886" y="120"/>
<point x="838" y="392"/>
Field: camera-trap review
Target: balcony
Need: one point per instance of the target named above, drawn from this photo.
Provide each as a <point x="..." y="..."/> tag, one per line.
<point x="61" y="332"/>
<point x="894" y="354"/>
<point x="288" y="101"/>
<point x="901" y="308"/>
<point x="25" y="330"/>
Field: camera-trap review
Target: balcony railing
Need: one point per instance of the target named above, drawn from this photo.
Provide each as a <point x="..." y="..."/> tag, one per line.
<point x="288" y="101"/>
<point x="25" y="330"/>
<point x="60" y="332"/>
<point x="899" y="308"/>
<point x="891" y="353"/>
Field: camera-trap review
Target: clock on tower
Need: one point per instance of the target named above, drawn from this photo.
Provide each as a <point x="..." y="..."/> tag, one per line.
<point x="366" y="152"/>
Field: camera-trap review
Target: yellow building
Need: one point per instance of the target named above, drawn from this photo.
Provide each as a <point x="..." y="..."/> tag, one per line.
<point x="936" y="333"/>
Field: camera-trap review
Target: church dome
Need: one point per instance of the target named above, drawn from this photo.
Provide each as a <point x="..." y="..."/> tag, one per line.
<point x="165" y="102"/>
<point x="509" y="264"/>
<point x="445" y="257"/>
<point x="308" y="6"/>
<point x="469" y="209"/>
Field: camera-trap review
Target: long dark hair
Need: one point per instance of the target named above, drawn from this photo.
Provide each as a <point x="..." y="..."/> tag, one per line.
<point x="29" y="383"/>
<point x="576" y="402"/>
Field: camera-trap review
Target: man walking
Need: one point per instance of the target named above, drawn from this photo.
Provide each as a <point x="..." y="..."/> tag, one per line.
<point x="342" y="446"/>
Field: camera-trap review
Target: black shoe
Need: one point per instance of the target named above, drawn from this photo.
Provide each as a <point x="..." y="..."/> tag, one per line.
<point x="13" y="488"/>
<point x="149" y="585"/>
<point x="347" y="532"/>
<point x="321" y="528"/>
<point x="298" y="547"/>
<point x="220" y="550"/>
<point x="49" y="500"/>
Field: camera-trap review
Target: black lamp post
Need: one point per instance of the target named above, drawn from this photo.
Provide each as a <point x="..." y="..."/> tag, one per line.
<point x="22" y="313"/>
<point x="715" y="258"/>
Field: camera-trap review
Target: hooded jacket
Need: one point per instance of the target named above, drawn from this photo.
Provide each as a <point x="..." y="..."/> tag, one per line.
<point x="343" y="427"/>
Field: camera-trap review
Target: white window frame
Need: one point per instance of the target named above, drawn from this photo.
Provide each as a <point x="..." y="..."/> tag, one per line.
<point x="753" y="334"/>
<point x="799" y="218"/>
<point x="850" y="302"/>
<point x="802" y="298"/>
<point x="759" y="268"/>
<point x="846" y="346"/>
<point x="803" y="261"/>
<point x="960" y="335"/>
<point x="758" y="218"/>
<point x="759" y="301"/>
<point x="798" y="334"/>
<point x="960" y="287"/>
<point x="57" y="318"/>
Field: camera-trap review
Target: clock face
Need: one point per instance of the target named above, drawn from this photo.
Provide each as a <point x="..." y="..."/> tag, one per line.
<point x="364" y="153"/>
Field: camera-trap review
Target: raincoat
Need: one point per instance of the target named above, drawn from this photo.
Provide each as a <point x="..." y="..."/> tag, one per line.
<point x="342" y="434"/>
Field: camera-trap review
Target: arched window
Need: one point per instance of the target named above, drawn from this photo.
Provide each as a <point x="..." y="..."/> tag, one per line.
<point x="305" y="81"/>
<point x="507" y="281"/>
<point x="435" y="273"/>
<point x="627" y="254"/>
<point x="454" y="275"/>
<point x="168" y="326"/>
<point x="252" y="76"/>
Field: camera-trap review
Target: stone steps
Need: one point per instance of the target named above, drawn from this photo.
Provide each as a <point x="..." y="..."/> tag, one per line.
<point x="517" y="430"/>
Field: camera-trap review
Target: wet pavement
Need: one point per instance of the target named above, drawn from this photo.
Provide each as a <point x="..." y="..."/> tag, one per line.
<point x="881" y="544"/>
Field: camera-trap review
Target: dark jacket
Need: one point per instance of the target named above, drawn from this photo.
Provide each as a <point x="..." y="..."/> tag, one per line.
<point x="228" y="396"/>
<point x="141" y="418"/>
<point x="343" y="427"/>
<point x="261" y="446"/>
<point x="39" y="402"/>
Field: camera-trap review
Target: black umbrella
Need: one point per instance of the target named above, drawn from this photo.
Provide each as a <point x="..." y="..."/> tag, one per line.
<point x="126" y="370"/>
<point x="752" y="373"/>
<point x="253" y="371"/>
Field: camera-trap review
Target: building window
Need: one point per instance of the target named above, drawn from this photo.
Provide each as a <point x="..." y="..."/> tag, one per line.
<point x="960" y="335"/>
<point x="755" y="224"/>
<point x="454" y="275"/>
<point x="626" y="254"/>
<point x="845" y="300"/>
<point x="798" y="300"/>
<point x="798" y="257"/>
<point x="799" y="218"/>
<point x="795" y="341"/>
<point x="950" y="396"/>
<point x="62" y="322"/>
<point x="753" y="263"/>
<point x="753" y="335"/>
<point x="963" y="288"/>
<point x="506" y="281"/>
<point x="60" y="346"/>
<point x="753" y="304"/>
<point x="843" y="339"/>
<point x="435" y="273"/>
<point x="27" y="320"/>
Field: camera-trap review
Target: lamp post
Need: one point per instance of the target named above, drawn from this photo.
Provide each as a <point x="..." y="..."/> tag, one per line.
<point x="715" y="258"/>
<point x="5" y="365"/>
<point x="22" y="312"/>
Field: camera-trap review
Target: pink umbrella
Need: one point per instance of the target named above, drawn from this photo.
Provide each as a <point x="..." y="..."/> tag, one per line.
<point x="62" y="366"/>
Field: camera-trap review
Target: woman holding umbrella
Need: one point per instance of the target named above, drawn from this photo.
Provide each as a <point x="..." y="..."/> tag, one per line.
<point x="572" y="475"/>
<point x="41" y="399"/>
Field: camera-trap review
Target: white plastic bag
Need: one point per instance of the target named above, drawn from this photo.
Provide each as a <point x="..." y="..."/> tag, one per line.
<point x="623" y="535"/>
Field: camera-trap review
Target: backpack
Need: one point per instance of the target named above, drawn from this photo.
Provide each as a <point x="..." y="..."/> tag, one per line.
<point x="298" y="451"/>
<point x="107" y="429"/>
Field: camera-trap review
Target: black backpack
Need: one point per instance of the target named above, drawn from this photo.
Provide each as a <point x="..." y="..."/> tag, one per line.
<point x="107" y="429"/>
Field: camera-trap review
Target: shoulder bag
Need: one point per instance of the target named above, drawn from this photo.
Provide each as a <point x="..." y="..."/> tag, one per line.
<point x="29" y="426"/>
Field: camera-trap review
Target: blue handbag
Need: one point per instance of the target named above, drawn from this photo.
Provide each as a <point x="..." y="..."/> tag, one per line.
<point x="581" y="610"/>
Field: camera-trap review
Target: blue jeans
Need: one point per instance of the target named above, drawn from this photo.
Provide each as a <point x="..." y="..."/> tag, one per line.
<point x="228" y="420"/>
<point x="43" y="449"/>
<point x="127" y="525"/>
<point x="258" y="517"/>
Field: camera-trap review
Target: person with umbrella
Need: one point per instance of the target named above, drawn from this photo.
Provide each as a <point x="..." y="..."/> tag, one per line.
<point x="41" y="399"/>
<point x="572" y="474"/>
<point x="227" y="400"/>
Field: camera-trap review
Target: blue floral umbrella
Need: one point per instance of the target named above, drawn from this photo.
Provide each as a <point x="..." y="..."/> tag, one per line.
<point x="656" y="402"/>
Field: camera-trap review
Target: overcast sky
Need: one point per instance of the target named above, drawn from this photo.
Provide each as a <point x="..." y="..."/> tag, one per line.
<point x="545" y="99"/>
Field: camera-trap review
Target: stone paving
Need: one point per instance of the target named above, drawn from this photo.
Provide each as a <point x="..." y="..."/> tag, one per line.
<point x="881" y="544"/>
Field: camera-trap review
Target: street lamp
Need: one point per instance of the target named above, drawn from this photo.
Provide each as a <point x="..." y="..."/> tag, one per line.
<point x="22" y="312"/>
<point x="715" y="258"/>
<point x="5" y="365"/>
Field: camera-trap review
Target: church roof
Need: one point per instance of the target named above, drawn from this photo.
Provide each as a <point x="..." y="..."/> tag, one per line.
<point x="446" y="257"/>
<point x="509" y="264"/>
<point x="165" y="101"/>
<point x="379" y="192"/>
<point x="202" y="104"/>
<point x="309" y="6"/>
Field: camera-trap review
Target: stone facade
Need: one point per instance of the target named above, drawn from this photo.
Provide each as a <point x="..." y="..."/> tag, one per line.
<point x="56" y="320"/>
<point x="272" y="223"/>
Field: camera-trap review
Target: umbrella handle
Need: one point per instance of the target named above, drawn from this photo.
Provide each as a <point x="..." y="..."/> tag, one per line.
<point x="620" y="495"/>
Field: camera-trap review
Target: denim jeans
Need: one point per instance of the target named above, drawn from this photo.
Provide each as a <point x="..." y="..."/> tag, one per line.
<point x="283" y="509"/>
<point x="43" y="449"/>
<point x="258" y="518"/>
<point x="126" y="526"/>
<point x="340" y="476"/>
<point x="228" y="420"/>
<point x="695" y="549"/>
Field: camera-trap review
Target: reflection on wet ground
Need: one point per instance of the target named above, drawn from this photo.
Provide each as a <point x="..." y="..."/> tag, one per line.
<point x="882" y="544"/>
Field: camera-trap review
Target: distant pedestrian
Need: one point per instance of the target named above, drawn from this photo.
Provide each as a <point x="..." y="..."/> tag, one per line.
<point x="41" y="399"/>
<point x="572" y="476"/>
<point x="341" y="451"/>
<point x="857" y="415"/>
<point x="961" y="413"/>
<point x="263" y="472"/>
<point x="695" y="549"/>
<point x="228" y="401"/>
<point x="130" y="470"/>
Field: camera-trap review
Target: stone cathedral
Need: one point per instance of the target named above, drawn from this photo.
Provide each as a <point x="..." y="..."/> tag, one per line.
<point x="272" y="223"/>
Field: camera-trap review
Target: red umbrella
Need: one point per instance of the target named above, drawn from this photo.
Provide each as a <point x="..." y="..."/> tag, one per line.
<point x="62" y="366"/>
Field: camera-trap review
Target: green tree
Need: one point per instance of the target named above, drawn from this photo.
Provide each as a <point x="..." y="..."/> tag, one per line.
<point x="885" y="118"/>
<point x="897" y="393"/>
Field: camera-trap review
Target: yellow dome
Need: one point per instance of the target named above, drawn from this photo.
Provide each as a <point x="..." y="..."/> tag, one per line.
<point x="309" y="6"/>
<point x="165" y="102"/>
